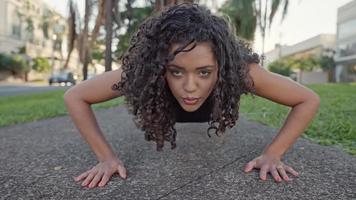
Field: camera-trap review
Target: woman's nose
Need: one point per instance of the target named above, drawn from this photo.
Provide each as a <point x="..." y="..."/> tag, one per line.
<point x="190" y="84"/>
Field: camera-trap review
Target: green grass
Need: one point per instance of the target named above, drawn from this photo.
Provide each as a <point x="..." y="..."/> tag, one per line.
<point x="31" y="107"/>
<point x="334" y="124"/>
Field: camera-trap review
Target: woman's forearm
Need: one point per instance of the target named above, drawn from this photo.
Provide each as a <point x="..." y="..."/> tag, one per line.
<point x="297" y="121"/>
<point x="85" y="121"/>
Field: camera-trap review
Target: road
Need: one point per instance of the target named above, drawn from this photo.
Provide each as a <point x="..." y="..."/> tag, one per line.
<point x="9" y="90"/>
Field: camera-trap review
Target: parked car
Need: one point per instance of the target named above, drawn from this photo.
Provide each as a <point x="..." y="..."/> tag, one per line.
<point x="62" y="77"/>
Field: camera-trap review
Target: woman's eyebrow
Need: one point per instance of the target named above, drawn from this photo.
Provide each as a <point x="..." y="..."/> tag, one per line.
<point x="198" y="68"/>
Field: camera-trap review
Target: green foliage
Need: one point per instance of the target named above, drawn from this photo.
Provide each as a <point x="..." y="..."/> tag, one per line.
<point x="242" y="16"/>
<point x="326" y="63"/>
<point x="41" y="65"/>
<point x="18" y="65"/>
<point x="133" y="19"/>
<point x="97" y="53"/>
<point x="306" y="63"/>
<point x="14" y="63"/>
<point x="285" y="65"/>
<point x="334" y="124"/>
<point x="281" y="66"/>
<point x="246" y="15"/>
<point x="5" y="61"/>
<point x="22" y="50"/>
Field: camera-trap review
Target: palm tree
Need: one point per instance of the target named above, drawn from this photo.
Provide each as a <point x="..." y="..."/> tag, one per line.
<point x="242" y="15"/>
<point x="262" y="12"/>
<point x="248" y="14"/>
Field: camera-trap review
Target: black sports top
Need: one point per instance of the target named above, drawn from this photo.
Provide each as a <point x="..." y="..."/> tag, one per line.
<point x="200" y="115"/>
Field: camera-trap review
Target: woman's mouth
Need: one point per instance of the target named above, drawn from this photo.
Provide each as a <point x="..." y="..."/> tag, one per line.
<point x="190" y="101"/>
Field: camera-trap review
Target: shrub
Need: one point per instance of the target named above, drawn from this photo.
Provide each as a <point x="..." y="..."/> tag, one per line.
<point x="41" y="65"/>
<point x="5" y="61"/>
<point x="14" y="63"/>
<point x="18" y="65"/>
<point x="281" y="66"/>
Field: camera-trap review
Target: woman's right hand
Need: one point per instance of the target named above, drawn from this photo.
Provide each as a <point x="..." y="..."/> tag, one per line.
<point x="100" y="174"/>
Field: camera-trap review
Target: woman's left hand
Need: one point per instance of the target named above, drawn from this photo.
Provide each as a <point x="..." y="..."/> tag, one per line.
<point x="272" y="164"/>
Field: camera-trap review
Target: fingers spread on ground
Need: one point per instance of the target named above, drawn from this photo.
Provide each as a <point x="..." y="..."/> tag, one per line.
<point x="122" y="172"/>
<point x="250" y="166"/>
<point x="96" y="179"/>
<point x="291" y="170"/>
<point x="81" y="176"/>
<point x="89" y="178"/>
<point x="275" y="174"/>
<point x="104" y="180"/>
<point x="263" y="172"/>
<point x="283" y="173"/>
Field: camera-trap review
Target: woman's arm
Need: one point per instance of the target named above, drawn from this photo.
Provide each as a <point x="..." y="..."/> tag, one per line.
<point x="78" y="100"/>
<point x="304" y="103"/>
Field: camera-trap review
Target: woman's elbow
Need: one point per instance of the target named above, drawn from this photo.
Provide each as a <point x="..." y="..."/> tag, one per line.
<point x="314" y="99"/>
<point x="70" y="96"/>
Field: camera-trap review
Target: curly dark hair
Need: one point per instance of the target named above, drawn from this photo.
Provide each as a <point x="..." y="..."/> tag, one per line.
<point x="143" y="84"/>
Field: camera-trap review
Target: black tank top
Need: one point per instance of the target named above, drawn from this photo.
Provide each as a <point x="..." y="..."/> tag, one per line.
<point x="200" y="115"/>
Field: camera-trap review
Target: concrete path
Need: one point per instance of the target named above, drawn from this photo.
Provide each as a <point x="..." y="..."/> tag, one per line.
<point x="39" y="159"/>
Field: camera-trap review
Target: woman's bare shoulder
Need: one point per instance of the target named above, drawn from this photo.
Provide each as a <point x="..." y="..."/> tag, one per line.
<point x="97" y="89"/>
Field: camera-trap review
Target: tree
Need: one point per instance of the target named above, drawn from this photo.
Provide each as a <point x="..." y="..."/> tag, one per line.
<point x="85" y="41"/>
<point x="19" y="65"/>
<point x="281" y="66"/>
<point x="161" y="4"/>
<point x="109" y="32"/>
<point x="248" y="14"/>
<point x="262" y="12"/>
<point x="285" y="65"/>
<point x="41" y="64"/>
<point x="242" y="15"/>
<point x="5" y="62"/>
<point x="129" y="20"/>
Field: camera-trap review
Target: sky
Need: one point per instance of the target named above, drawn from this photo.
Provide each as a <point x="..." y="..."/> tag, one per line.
<point x="305" y="19"/>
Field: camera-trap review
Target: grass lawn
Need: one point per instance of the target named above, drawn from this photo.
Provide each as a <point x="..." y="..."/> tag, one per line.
<point x="334" y="124"/>
<point x="30" y="107"/>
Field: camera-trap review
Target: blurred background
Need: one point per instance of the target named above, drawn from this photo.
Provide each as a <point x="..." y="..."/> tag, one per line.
<point x="45" y="41"/>
<point x="52" y="45"/>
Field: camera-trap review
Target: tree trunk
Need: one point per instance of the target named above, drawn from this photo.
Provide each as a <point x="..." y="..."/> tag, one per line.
<point x="85" y="51"/>
<point x="109" y="30"/>
<point x="98" y="22"/>
<point x="161" y="4"/>
<point x="72" y="32"/>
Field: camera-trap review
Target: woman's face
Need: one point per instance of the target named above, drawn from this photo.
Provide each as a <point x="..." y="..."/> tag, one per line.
<point x="192" y="75"/>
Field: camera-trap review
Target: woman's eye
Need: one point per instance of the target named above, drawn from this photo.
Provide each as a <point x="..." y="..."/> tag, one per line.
<point x="205" y="73"/>
<point x="176" y="73"/>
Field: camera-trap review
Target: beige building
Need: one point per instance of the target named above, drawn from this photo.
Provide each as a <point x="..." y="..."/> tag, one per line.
<point x="345" y="57"/>
<point x="34" y="28"/>
<point x="312" y="46"/>
<point x="317" y="45"/>
<point x="29" y="22"/>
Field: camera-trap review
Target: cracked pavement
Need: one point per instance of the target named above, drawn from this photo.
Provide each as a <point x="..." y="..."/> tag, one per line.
<point x="38" y="160"/>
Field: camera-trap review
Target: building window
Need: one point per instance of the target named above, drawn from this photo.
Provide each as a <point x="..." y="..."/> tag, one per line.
<point x="347" y="29"/>
<point x="16" y="31"/>
<point x="347" y="49"/>
<point x="16" y="27"/>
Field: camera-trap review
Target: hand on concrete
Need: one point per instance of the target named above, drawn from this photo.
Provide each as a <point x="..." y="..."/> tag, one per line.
<point x="101" y="173"/>
<point x="267" y="163"/>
